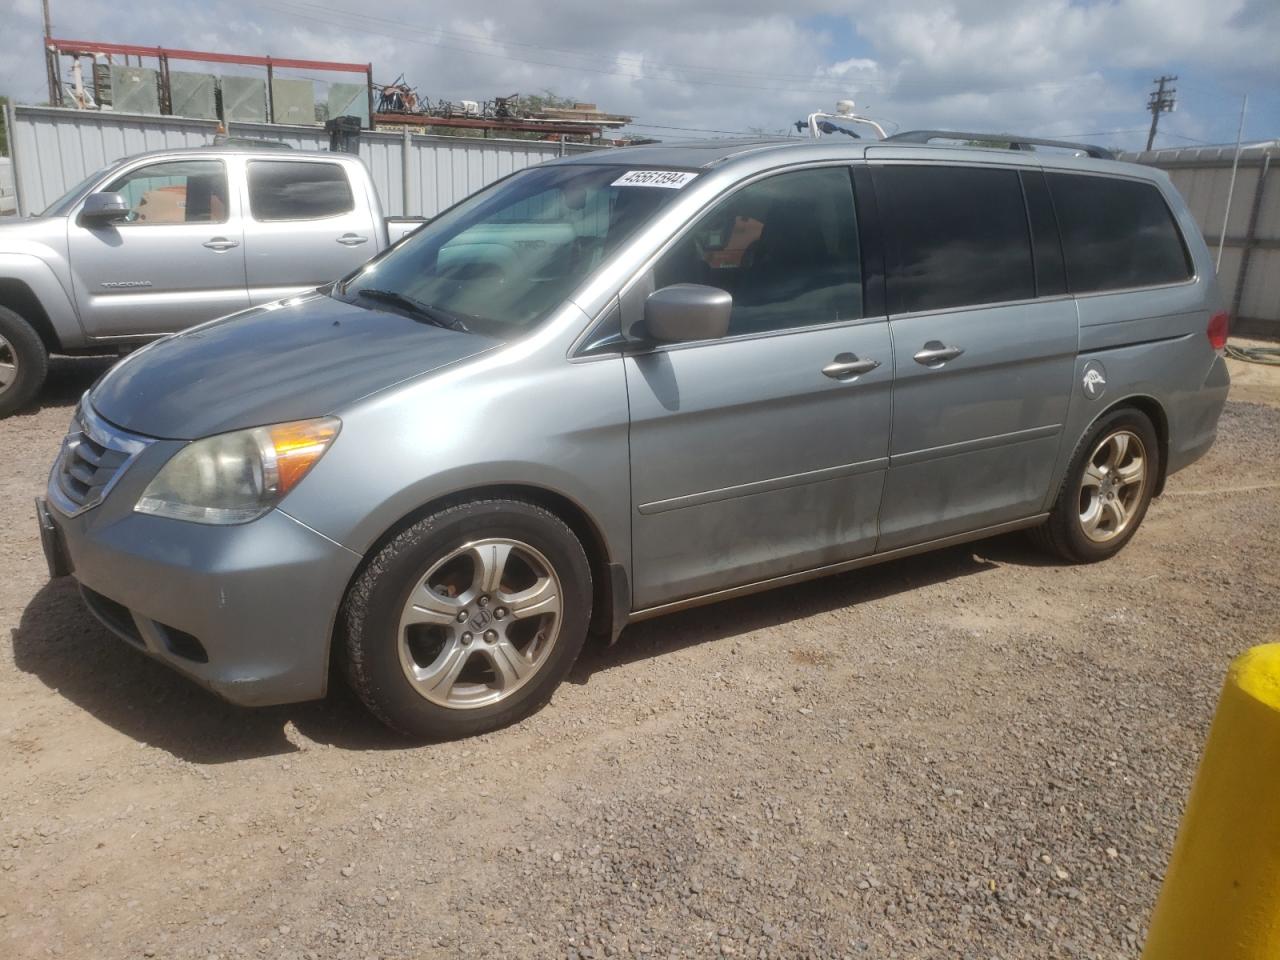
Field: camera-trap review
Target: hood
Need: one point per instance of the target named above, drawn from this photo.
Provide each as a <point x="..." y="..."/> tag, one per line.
<point x="305" y="358"/>
<point x="43" y="237"/>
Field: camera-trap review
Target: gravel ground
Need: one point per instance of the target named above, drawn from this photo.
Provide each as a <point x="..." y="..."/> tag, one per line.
<point x="971" y="754"/>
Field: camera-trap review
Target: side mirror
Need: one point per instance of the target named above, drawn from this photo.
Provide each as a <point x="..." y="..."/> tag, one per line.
<point x="105" y="208"/>
<point x="687" y="311"/>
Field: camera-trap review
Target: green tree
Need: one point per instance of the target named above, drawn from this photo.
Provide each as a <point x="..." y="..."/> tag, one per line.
<point x="4" y="131"/>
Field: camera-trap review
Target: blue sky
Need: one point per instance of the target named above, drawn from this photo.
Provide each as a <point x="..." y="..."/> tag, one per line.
<point x="1046" y="67"/>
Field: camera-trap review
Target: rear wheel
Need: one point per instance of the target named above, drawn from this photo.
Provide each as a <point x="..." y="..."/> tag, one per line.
<point x="23" y="362"/>
<point x="1108" y="487"/>
<point x="468" y="620"/>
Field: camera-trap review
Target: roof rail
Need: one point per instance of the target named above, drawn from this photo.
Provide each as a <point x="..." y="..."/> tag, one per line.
<point x="1014" y="142"/>
<point x="225" y="142"/>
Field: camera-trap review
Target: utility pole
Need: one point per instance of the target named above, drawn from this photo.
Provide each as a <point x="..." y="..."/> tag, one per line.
<point x="1161" y="100"/>
<point x="50" y="61"/>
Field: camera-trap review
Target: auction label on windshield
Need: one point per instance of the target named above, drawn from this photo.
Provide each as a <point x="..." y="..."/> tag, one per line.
<point x="671" y="179"/>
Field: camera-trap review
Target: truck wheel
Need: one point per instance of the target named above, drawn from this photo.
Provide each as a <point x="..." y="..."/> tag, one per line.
<point x="23" y="362"/>
<point x="468" y="620"/>
<point x="1108" y="487"/>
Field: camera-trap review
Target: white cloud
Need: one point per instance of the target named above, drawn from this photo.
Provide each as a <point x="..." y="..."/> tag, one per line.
<point x="1043" y="66"/>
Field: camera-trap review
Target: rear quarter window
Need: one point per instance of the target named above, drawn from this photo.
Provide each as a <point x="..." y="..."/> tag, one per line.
<point x="954" y="236"/>
<point x="298" y="190"/>
<point x="1116" y="234"/>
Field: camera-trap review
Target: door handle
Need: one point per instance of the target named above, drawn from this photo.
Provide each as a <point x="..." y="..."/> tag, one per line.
<point x="351" y="239"/>
<point x="846" y="366"/>
<point x="221" y="243"/>
<point x="935" y="353"/>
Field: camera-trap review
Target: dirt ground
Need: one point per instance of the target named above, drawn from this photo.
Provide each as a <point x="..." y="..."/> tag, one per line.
<point x="972" y="754"/>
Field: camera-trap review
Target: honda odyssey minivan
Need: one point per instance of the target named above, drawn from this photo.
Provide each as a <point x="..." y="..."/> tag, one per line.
<point x="631" y="381"/>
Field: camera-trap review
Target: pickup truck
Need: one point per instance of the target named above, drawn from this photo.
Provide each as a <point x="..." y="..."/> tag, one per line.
<point x="158" y="242"/>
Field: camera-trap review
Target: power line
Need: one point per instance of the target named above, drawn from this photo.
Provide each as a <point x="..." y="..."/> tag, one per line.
<point x="1183" y="136"/>
<point x="1100" y="133"/>
<point x="661" y="126"/>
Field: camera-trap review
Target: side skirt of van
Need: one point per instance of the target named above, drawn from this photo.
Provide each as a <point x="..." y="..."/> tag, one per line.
<point x="832" y="568"/>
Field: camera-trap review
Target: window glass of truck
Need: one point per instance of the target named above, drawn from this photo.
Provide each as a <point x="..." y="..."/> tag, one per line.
<point x="954" y="236"/>
<point x="1116" y="233"/>
<point x="503" y="259"/>
<point x="185" y="191"/>
<point x="785" y="247"/>
<point x="298" y="190"/>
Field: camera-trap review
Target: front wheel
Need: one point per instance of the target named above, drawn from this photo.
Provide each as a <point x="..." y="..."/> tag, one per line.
<point x="468" y="620"/>
<point x="1108" y="487"/>
<point x="23" y="362"/>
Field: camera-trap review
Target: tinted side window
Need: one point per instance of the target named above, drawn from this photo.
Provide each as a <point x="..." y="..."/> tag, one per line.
<point x="786" y="247"/>
<point x="954" y="236"/>
<point x="186" y="191"/>
<point x="1116" y="233"/>
<point x="294" y="190"/>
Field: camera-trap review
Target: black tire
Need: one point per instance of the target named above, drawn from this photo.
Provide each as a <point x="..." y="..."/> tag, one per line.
<point x="21" y="345"/>
<point x="1063" y="534"/>
<point x="369" y="621"/>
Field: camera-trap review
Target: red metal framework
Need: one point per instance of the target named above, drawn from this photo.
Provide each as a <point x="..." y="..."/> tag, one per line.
<point x="549" y="129"/>
<point x="80" y="48"/>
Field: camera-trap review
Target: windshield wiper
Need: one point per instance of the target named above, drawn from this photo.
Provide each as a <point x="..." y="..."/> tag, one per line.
<point x="424" y="311"/>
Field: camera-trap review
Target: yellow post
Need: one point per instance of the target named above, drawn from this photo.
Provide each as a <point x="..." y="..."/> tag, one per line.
<point x="1221" y="894"/>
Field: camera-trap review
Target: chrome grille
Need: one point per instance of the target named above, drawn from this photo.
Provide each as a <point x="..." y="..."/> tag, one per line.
<point x="93" y="456"/>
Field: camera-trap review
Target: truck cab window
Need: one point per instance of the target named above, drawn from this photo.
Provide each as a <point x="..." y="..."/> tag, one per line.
<point x="298" y="190"/>
<point x="188" y="191"/>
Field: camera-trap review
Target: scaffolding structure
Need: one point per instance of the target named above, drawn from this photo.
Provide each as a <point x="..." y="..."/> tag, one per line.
<point x="89" y="96"/>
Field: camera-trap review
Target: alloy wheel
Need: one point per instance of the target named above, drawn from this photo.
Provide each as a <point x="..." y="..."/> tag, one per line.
<point x="8" y="364"/>
<point x="480" y="623"/>
<point x="1112" y="485"/>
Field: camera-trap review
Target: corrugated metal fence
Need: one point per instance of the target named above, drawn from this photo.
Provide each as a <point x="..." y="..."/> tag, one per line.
<point x="8" y="201"/>
<point x="53" y="149"/>
<point x="1250" y="271"/>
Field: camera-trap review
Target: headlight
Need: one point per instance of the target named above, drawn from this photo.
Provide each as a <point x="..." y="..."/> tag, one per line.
<point x="237" y="477"/>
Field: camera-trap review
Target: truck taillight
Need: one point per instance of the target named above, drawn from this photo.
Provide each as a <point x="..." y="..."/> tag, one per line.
<point x="1219" y="325"/>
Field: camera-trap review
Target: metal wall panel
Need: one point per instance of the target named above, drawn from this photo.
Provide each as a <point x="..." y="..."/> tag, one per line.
<point x="1261" y="296"/>
<point x="1269" y="209"/>
<point x="1203" y="177"/>
<point x="8" y="197"/>
<point x="444" y="170"/>
<point x="56" y="148"/>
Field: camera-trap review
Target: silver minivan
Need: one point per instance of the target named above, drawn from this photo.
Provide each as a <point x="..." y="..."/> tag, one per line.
<point x="628" y="382"/>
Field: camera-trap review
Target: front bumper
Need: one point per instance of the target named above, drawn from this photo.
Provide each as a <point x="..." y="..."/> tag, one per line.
<point x="246" y="611"/>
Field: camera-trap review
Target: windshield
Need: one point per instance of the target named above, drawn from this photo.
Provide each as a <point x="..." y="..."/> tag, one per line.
<point x="62" y="206"/>
<point x="499" y="263"/>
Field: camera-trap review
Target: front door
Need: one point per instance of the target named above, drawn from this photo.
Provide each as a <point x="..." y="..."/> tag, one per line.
<point x="762" y="453"/>
<point x="178" y="259"/>
<point x="984" y="341"/>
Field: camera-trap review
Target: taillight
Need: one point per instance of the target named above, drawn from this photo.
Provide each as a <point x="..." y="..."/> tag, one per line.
<point x="1219" y="325"/>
